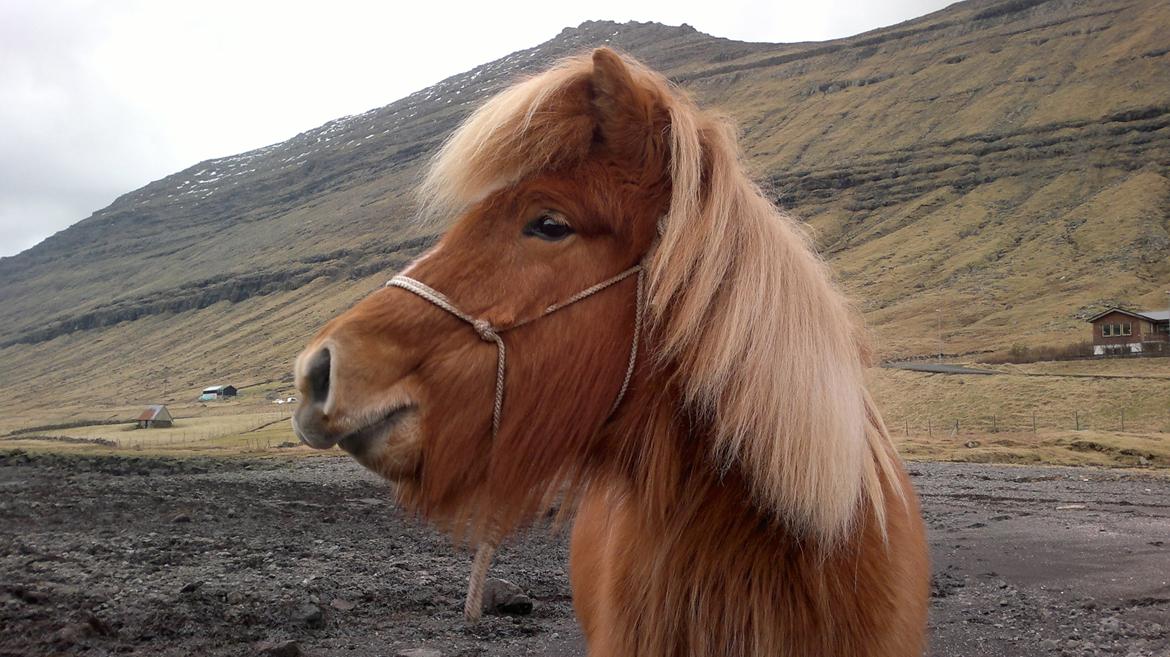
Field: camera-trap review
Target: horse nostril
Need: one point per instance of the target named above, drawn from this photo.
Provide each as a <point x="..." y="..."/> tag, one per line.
<point x="318" y="375"/>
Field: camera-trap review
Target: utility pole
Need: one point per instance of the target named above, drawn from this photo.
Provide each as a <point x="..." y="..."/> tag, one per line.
<point x="165" y="373"/>
<point x="938" y="322"/>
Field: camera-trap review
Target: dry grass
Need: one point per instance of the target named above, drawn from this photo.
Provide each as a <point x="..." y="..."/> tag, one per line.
<point x="1067" y="448"/>
<point x="213" y="435"/>
<point x="999" y="412"/>
<point x="119" y="370"/>
<point x="993" y="411"/>
<point x="1016" y="275"/>
<point x="185" y="429"/>
<point x="1157" y="368"/>
<point x="1071" y="448"/>
<point x="929" y="404"/>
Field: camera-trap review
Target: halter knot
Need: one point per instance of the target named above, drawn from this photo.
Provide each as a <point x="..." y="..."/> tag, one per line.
<point x="484" y="330"/>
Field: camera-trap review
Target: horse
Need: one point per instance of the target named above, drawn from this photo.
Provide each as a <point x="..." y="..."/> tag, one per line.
<point x="619" y="323"/>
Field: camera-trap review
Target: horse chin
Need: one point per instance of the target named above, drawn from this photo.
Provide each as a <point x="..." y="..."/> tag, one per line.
<point x="391" y="447"/>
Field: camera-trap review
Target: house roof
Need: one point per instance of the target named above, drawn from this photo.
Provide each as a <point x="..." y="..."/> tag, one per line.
<point x="1152" y="315"/>
<point x="152" y="412"/>
<point x="215" y="388"/>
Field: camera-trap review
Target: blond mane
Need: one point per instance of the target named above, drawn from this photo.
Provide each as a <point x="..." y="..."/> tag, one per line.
<point x="771" y="352"/>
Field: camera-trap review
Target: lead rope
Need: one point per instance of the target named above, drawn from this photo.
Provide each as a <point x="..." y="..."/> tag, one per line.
<point x="473" y="604"/>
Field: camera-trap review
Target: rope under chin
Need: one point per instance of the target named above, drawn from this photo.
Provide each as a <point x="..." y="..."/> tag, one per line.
<point x="473" y="604"/>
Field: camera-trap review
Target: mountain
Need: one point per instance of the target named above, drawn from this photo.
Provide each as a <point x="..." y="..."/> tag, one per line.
<point x="999" y="169"/>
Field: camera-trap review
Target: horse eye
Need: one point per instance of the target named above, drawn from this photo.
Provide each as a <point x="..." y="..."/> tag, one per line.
<point x="548" y="228"/>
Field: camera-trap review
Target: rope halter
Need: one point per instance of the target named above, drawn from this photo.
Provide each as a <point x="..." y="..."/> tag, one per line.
<point x="489" y="333"/>
<point x="473" y="604"/>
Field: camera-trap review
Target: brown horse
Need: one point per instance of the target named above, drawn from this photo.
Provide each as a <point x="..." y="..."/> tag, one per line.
<point x="735" y="490"/>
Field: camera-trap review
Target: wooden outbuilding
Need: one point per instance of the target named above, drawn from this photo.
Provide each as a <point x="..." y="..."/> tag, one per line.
<point x="217" y="392"/>
<point x="155" y="416"/>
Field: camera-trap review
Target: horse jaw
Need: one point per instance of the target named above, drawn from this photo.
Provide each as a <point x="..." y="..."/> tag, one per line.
<point x="391" y="449"/>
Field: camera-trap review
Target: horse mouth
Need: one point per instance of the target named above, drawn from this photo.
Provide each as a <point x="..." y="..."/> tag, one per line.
<point x="378" y="432"/>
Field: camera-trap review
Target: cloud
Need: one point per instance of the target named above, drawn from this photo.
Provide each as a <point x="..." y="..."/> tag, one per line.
<point x="70" y="146"/>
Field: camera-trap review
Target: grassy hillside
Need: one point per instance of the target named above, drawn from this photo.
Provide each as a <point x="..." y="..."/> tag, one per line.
<point x="1000" y="166"/>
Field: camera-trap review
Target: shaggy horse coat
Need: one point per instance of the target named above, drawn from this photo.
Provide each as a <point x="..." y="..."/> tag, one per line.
<point x="744" y="497"/>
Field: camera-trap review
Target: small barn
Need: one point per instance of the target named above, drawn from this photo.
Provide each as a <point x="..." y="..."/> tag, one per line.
<point x="217" y="392"/>
<point x="1118" y="331"/>
<point x="155" y="416"/>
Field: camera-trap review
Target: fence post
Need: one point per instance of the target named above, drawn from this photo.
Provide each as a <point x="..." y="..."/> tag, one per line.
<point x="1033" y="421"/>
<point x="994" y="425"/>
<point x="1123" y="419"/>
<point x="929" y="429"/>
<point x="907" y="428"/>
<point x="1077" y="415"/>
<point x="956" y="427"/>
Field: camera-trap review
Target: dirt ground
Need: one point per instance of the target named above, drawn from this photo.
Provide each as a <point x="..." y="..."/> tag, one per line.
<point x="105" y="555"/>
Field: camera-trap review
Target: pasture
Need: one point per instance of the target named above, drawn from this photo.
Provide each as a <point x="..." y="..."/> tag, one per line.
<point x="995" y="416"/>
<point x="210" y="435"/>
<point x="1090" y="412"/>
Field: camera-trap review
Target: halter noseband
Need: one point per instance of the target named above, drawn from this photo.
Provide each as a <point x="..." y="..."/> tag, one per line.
<point x="489" y="333"/>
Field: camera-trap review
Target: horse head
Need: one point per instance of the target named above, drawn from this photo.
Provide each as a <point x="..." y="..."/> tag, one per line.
<point x="549" y="194"/>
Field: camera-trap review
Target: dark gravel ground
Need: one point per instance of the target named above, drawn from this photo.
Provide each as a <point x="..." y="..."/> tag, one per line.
<point x="103" y="556"/>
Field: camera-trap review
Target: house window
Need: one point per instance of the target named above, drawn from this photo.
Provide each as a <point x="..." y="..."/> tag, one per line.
<point x="1106" y="330"/>
<point x="1127" y="329"/>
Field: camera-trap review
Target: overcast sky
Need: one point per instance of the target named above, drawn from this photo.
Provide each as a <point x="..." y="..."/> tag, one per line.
<point x="100" y="97"/>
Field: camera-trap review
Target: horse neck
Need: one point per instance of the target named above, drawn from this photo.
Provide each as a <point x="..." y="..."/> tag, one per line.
<point x="712" y="572"/>
<point x="663" y="460"/>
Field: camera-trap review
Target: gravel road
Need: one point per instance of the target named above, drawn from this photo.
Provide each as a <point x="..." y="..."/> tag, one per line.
<point x="308" y="557"/>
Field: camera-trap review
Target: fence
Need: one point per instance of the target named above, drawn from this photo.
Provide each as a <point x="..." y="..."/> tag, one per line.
<point x="1036" y="421"/>
<point x="186" y="433"/>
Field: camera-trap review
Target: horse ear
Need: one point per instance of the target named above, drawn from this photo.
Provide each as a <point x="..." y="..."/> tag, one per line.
<point x="630" y="117"/>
